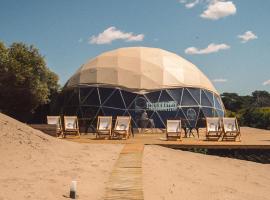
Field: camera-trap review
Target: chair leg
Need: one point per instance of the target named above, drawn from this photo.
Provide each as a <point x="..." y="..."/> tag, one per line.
<point x="239" y="137"/>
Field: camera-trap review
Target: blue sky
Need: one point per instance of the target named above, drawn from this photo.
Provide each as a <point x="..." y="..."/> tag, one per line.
<point x="206" y="32"/>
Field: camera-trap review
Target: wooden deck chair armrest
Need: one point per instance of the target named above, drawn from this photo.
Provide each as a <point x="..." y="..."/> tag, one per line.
<point x="71" y="129"/>
<point x="213" y="131"/>
<point x="104" y="130"/>
<point x="236" y="131"/>
<point x="77" y="123"/>
<point x="238" y="128"/>
<point x="173" y="132"/>
<point x="120" y="131"/>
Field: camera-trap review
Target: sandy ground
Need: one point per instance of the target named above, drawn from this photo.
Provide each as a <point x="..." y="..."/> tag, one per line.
<point x="36" y="166"/>
<point x="173" y="174"/>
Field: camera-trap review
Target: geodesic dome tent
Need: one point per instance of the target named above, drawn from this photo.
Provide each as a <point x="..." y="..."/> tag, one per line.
<point x="129" y="81"/>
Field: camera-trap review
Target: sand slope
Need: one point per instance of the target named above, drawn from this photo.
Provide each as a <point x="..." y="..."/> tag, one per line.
<point x="36" y="166"/>
<point x="173" y="174"/>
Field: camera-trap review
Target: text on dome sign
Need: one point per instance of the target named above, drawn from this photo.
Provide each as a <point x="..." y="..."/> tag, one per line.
<point x="162" y="106"/>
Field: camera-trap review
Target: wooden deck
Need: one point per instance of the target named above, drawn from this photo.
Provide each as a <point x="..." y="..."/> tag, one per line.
<point x="50" y="129"/>
<point x="126" y="178"/>
<point x="251" y="138"/>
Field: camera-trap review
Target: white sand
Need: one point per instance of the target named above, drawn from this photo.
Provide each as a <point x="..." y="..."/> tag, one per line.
<point x="173" y="174"/>
<point x="36" y="166"/>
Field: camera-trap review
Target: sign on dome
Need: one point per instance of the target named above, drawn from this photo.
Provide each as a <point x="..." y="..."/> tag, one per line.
<point x="162" y="106"/>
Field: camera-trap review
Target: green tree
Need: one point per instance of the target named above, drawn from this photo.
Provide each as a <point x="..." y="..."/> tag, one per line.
<point x="232" y="101"/>
<point x="25" y="80"/>
<point x="261" y="98"/>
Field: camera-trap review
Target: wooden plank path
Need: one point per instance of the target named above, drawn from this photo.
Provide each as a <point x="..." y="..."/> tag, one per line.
<point x="126" y="178"/>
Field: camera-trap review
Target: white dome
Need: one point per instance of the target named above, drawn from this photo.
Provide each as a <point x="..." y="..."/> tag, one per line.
<point x="140" y="69"/>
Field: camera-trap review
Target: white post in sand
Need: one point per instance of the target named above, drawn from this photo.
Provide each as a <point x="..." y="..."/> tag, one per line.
<point x="73" y="188"/>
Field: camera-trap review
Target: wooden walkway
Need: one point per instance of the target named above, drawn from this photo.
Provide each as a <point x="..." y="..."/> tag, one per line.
<point x="126" y="178"/>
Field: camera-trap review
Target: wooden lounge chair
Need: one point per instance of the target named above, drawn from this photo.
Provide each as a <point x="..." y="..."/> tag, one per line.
<point x="173" y="129"/>
<point x="213" y="128"/>
<point x="231" y="130"/>
<point x="104" y="126"/>
<point x="56" y="120"/>
<point x="71" y="125"/>
<point x="122" y="127"/>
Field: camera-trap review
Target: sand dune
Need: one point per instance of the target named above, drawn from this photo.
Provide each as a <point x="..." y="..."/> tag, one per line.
<point x="36" y="166"/>
<point x="174" y="174"/>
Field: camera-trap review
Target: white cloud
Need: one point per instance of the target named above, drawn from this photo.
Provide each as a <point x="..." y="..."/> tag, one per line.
<point x="220" y="80"/>
<point x="248" y="35"/>
<point x="211" y="48"/>
<point x="112" y="33"/>
<point x="266" y="82"/>
<point x="190" y="3"/>
<point x="217" y="9"/>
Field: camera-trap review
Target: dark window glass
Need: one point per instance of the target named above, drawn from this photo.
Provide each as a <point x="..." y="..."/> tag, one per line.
<point x="204" y="100"/>
<point x="191" y="115"/>
<point x="153" y="96"/>
<point x="164" y="97"/>
<point x="89" y="111"/>
<point x="140" y="103"/>
<point x="80" y="112"/>
<point x="180" y="114"/>
<point x="167" y="115"/>
<point x="85" y="103"/>
<point x="98" y="112"/>
<point x="201" y="120"/>
<point x="208" y="112"/>
<point x="70" y="110"/>
<point x="115" y="101"/>
<point x="210" y="97"/>
<point x="217" y="102"/>
<point x="134" y="116"/>
<point x="84" y="93"/>
<point x="132" y="105"/>
<point x="176" y="94"/>
<point x="93" y="99"/>
<point x="128" y="97"/>
<point x="71" y="98"/>
<point x="105" y="93"/>
<point x="113" y="112"/>
<point x="187" y="99"/>
<point x="74" y="100"/>
<point x="158" y="121"/>
<point x="196" y="93"/>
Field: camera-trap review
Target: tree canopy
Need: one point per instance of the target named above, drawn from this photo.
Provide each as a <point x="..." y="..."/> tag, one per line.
<point x="25" y="80"/>
<point x="252" y="110"/>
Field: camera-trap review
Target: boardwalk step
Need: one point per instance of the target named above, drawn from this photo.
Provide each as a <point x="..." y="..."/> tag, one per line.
<point x="126" y="178"/>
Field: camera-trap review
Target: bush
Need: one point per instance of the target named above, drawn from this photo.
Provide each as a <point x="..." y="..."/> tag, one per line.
<point x="257" y="117"/>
